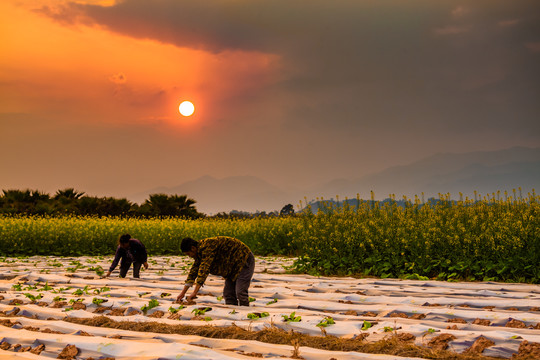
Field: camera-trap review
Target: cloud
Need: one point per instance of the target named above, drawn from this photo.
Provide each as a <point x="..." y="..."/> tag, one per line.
<point x="509" y="22"/>
<point x="533" y="46"/>
<point x="451" y="30"/>
<point x="356" y="66"/>
<point x="459" y="11"/>
<point x="119" y="78"/>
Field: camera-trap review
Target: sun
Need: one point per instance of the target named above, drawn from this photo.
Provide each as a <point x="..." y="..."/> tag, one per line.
<point x="186" y="108"/>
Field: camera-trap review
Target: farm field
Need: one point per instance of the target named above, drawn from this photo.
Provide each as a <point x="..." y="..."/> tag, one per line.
<point x="54" y="307"/>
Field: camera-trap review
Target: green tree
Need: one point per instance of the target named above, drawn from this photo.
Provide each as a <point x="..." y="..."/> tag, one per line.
<point x="169" y="205"/>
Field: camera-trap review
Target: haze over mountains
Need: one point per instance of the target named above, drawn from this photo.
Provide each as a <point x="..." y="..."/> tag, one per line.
<point x="485" y="172"/>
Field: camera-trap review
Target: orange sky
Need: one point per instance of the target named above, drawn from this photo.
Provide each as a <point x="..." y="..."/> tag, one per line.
<point x="53" y="67"/>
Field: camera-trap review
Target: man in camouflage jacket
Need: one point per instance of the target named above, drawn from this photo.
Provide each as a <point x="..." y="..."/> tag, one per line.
<point x="224" y="256"/>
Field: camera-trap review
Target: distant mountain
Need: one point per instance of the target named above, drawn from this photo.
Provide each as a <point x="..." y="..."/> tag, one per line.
<point x="486" y="171"/>
<point x="244" y="193"/>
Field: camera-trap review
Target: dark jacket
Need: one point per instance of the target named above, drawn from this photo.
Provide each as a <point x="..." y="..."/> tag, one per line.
<point x="135" y="253"/>
<point x="222" y="255"/>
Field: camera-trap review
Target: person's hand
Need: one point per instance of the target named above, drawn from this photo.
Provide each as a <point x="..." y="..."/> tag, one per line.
<point x="145" y="265"/>
<point x="191" y="297"/>
<point x="179" y="298"/>
<point x="107" y="274"/>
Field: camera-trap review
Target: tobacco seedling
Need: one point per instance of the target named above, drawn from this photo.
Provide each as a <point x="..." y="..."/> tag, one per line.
<point x="366" y="325"/>
<point x="33" y="297"/>
<point x="388" y="329"/>
<point x="164" y="295"/>
<point x="46" y="287"/>
<point x="59" y="298"/>
<point x="326" y="322"/>
<point x="101" y="290"/>
<point x="292" y="317"/>
<point x="174" y="311"/>
<point x="98" y="301"/>
<point x="200" y="311"/>
<point x="151" y="304"/>
<point x="272" y="302"/>
<point x="255" y="316"/>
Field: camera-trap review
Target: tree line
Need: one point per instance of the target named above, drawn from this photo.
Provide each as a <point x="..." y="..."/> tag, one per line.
<point x="72" y="202"/>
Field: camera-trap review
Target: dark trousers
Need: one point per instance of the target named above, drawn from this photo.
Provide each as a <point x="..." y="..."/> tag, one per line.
<point x="126" y="264"/>
<point x="236" y="292"/>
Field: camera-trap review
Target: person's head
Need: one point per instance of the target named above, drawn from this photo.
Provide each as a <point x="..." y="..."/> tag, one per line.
<point x="123" y="241"/>
<point x="189" y="247"/>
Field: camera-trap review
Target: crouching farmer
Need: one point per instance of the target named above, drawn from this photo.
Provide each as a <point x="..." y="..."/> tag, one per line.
<point x="131" y="251"/>
<point x="223" y="256"/>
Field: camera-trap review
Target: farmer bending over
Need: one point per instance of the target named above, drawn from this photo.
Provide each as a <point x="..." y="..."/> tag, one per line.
<point x="130" y="251"/>
<point x="224" y="256"/>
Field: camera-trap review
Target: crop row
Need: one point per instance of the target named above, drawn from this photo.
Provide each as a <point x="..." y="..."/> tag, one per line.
<point x="496" y="240"/>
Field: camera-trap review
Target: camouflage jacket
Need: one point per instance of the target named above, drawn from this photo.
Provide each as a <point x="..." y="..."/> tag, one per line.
<point x="222" y="255"/>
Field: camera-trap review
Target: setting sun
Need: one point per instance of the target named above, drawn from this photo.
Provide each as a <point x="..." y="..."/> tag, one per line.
<point x="186" y="108"/>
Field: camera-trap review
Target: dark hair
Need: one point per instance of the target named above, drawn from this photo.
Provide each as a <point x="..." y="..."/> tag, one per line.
<point x="123" y="239"/>
<point x="187" y="243"/>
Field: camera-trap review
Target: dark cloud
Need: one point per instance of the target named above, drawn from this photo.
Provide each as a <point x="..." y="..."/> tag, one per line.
<point x="424" y="67"/>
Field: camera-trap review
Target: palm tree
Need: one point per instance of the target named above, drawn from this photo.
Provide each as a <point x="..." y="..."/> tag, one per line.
<point x="169" y="205"/>
<point x="68" y="193"/>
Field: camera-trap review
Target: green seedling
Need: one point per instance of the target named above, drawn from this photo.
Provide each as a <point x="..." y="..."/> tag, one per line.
<point x="99" y="271"/>
<point x="101" y="290"/>
<point x="272" y="302"/>
<point x="73" y="301"/>
<point x="255" y="316"/>
<point x="219" y="298"/>
<point x="17" y="287"/>
<point x="61" y="290"/>
<point x="207" y="318"/>
<point x="292" y="317"/>
<point x="151" y="304"/>
<point x="33" y="297"/>
<point x="431" y="331"/>
<point x="98" y="301"/>
<point x="143" y="294"/>
<point x="233" y="312"/>
<point x="30" y="287"/>
<point x="165" y="295"/>
<point x="326" y="322"/>
<point x="46" y="287"/>
<point x="174" y="311"/>
<point x="200" y="311"/>
<point x="366" y="325"/>
<point x="251" y="299"/>
<point x="68" y="309"/>
<point x="59" y="298"/>
<point x="82" y="291"/>
<point x="388" y="329"/>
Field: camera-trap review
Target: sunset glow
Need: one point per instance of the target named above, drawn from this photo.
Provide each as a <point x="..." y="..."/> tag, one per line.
<point x="319" y="87"/>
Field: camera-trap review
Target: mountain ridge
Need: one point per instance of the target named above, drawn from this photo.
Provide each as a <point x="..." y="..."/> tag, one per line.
<point x="483" y="171"/>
